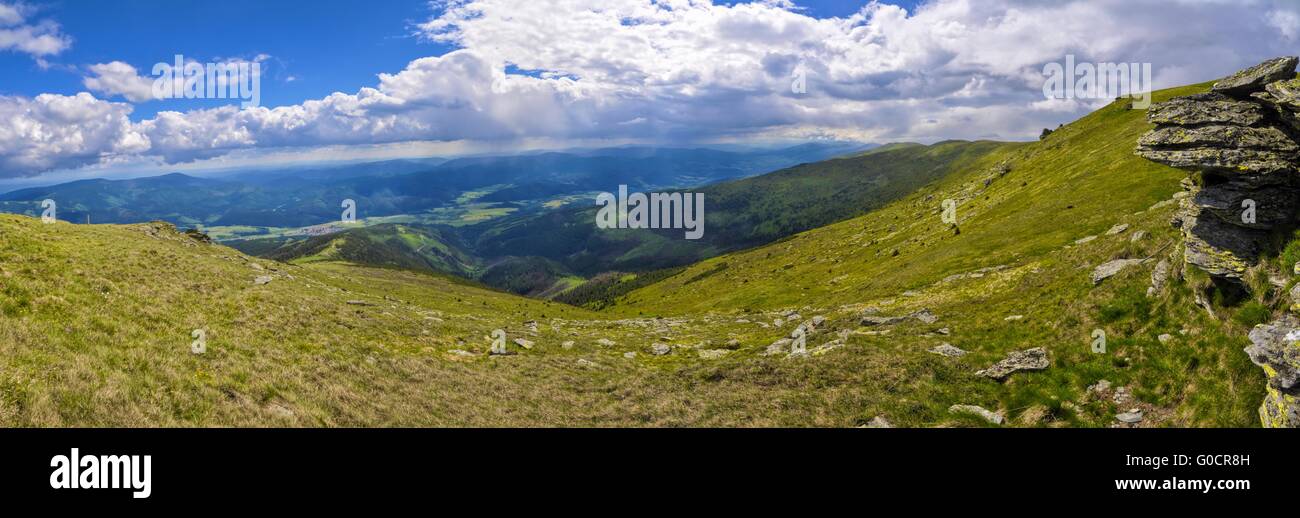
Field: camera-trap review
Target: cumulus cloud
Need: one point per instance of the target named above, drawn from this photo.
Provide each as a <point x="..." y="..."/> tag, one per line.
<point x="53" y="131"/>
<point x="119" y="79"/>
<point x="39" y="39"/>
<point x="691" y="71"/>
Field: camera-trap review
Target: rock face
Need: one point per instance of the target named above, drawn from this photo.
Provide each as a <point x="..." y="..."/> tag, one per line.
<point x="1276" y="348"/>
<point x="1243" y="141"/>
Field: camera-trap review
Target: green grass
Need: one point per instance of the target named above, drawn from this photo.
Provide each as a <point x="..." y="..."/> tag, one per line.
<point x="95" y="321"/>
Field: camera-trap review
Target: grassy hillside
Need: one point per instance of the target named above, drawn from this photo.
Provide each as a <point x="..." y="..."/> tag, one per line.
<point x="96" y="321"/>
<point x="388" y="245"/>
<point x="1009" y="276"/>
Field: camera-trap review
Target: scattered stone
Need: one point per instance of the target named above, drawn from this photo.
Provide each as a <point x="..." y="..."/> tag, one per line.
<point x="1111" y="268"/>
<point x="629" y="355"/>
<point x="604" y="342"/>
<point x="947" y="349"/>
<point x="1122" y="396"/>
<point x="660" y="349"/>
<point x="1133" y="417"/>
<point x="1159" y="276"/>
<point x="778" y="347"/>
<point x="879" y="422"/>
<point x="1117" y="229"/>
<point x="582" y="362"/>
<point x="995" y="418"/>
<point x="568" y="344"/>
<point x="711" y="354"/>
<point x="1165" y="338"/>
<point x="1084" y="240"/>
<point x="1026" y="360"/>
<point x="1013" y="318"/>
<point x="943" y="331"/>
<point x="263" y="279"/>
<point x="1137" y="236"/>
<point x="923" y="315"/>
<point x="1099" y="388"/>
<point x="526" y="344"/>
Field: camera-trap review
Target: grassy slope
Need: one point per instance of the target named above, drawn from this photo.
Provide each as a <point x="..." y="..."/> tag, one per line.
<point x="1079" y="182"/>
<point x="96" y="322"/>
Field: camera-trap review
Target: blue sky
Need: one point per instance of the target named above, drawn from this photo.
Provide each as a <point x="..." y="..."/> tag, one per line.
<point x="348" y="80"/>
<point x="324" y="45"/>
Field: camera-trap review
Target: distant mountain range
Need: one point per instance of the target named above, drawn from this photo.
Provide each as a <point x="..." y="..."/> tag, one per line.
<point x="298" y="197"/>
<point x="544" y="253"/>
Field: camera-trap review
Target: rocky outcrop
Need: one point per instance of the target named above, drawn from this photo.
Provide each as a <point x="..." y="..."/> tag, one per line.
<point x="1242" y="139"/>
<point x="1276" y="348"/>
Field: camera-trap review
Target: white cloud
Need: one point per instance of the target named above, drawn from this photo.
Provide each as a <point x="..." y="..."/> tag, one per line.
<point x="18" y="33"/>
<point x="56" y="131"/>
<point x="119" y="79"/>
<point x="691" y="71"/>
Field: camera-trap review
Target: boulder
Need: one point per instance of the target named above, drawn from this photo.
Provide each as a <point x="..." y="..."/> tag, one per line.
<point x="947" y="349"/>
<point x="1111" y="268"/>
<point x="660" y="349"/>
<point x="878" y="422"/>
<point x="1026" y="360"/>
<point x="778" y="347"/>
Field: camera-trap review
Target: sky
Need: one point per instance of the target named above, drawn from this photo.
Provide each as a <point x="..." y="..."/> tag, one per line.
<point x="345" y="79"/>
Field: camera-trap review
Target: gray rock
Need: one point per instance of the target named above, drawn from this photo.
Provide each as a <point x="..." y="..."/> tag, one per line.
<point x="526" y="344"/>
<point x="1117" y="229"/>
<point x="1208" y="108"/>
<point x="660" y="349"/>
<point x="879" y="422"/>
<point x="1137" y="236"/>
<point x="1165" y="338"/>
<point x="1111" y="268"/>
<point x="778" y="347"/>
<point x="1129" y="417"/>
<point x="947" y="349"/>
<point x="1255" y="78"/>
<point x="711" y="354"/>
<point x="1274" y="347"/>
<point x="604" y="342"/>
<point x="995" y="418"/>
<point x="1100" y="388"/>
<point x="1160" y="275"/>
<point x="630" y="355"/>
<point x="263" y="279"/>
<point x="923" y="315"/>
<point x="1026" y="360"/>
